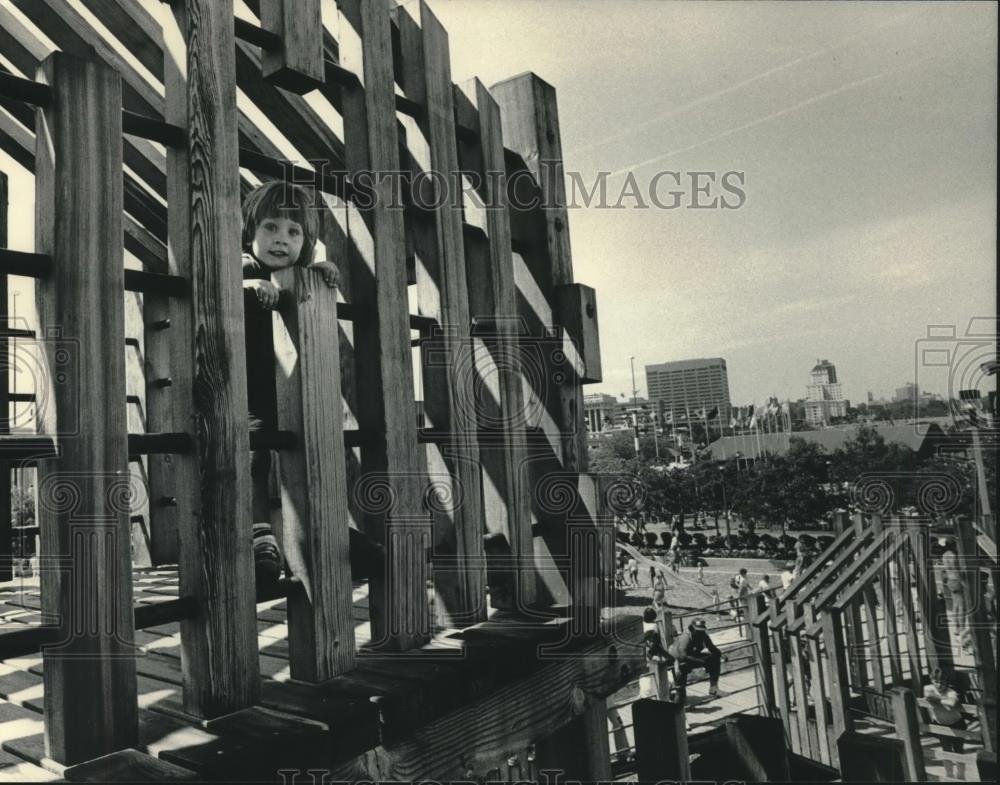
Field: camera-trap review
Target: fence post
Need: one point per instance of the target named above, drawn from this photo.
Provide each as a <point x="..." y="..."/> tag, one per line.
<point x="907" y="720"/>
<point x="208" y="363"/>
<point x="661" y="746"/>
<point x="314" y="480"/>
<point x="83" y="501"/>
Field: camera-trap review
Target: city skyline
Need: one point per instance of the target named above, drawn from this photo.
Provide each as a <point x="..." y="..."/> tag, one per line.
<point x="867" y="136"/>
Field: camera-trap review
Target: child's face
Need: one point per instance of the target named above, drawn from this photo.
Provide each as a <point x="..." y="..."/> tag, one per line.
<point x="277" y="242"/>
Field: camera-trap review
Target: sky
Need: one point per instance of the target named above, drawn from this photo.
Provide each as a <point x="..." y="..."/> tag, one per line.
<point x="866" y="133"/>
<point x="866" y="138"/>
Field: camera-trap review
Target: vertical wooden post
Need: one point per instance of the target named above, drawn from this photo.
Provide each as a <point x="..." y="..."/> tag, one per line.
<point x="530" y="121"/>
<point x="824" y="751"/>
<point x="449" y="372"/>
<point x="493" y="297"/>
<point x="661" y="747"/>
<point x="209" y="395"/>
<point x="6" y="522"/>
<point x="90" y="683"/>
<point x="909" y="618"/>
<point x="298" y="64"/>
<point x="313" y="479"/>
<point x="982" y="641"/>
<point x="781" y="682"/>
<point x="840" y="694"/>
<point x="801" y="692"/>
<point x="937" y="641"/>
<point x="390" y="463"/>
<point x="759" y="620"/>
<point x="907" y="721"/>
<point x="874" y="650"/>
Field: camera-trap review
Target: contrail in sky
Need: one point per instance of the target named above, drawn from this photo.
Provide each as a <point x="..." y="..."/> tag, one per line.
<point x="738" y="86"/>
<point x="767" y="118"/>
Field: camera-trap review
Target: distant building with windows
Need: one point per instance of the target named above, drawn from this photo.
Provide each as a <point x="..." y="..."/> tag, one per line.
<point x="824" y="397"/>
<point x="600" y="410"/>
<point x="688" y="385"/>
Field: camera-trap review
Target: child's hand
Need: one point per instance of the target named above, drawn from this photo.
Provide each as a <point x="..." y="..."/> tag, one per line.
<point x="329" y="271"/>
<point x="267" y="292"/>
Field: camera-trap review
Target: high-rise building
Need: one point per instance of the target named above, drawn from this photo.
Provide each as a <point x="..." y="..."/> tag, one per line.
<point x="824" y="399"/>
<point x="689" y="385"/>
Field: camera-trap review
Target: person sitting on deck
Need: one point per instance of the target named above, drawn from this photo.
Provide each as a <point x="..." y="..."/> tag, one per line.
<point x="945" y="709"/>
<point x="689" y="650"/>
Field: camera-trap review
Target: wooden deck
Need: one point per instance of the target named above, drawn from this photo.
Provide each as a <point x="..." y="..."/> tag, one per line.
<point x="378" y="706"/>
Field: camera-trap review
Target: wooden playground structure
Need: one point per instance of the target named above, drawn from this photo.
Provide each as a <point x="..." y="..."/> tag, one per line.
<point x="855" y="639"/>
<point x="143" y="650"/>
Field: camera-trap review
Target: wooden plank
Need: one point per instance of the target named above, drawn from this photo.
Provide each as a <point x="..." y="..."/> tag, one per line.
<point x="579" y="749"/>
<point x="390" y="464"/>
<point x="208" y="362"/>
<point x="530" y="126"/>
<point x="661" y="744"/>
<point x="868" y="759"/>
<point x="83" y="498"/>
<point x="907" y="720"/>
<point x="448" y="370"/>
<point x="6" y="521"/>
<point x="759" y="749"/>
<point x="297" y="65"/>
<point x="818" y="689"/>
<point x="799" y="654"/>
<point x="970" y="563"/>
<point x="909" y="619"/>
<point x="778" y="637"/>
<point x="128" y="766"/>
<point x="839" y="692"/>
<point x="758" y="617"/>
<point x="873" y="652"/>
<point x="313" y="479"/>
<point x="856" y="663"/>
<point x="492" y="294"/>
<point x="937" y="643"/>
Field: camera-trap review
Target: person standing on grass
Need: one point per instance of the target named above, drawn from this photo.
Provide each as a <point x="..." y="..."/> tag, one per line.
<point x="633" y="573"/>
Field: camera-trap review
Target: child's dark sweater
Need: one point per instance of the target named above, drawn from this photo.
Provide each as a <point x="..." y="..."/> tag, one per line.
<point x="261" y="397"/>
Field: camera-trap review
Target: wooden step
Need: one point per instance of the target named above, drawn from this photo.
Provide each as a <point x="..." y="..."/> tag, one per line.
<point x="128" y="766"/>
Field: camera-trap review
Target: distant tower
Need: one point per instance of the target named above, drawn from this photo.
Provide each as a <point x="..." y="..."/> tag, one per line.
<point x="824" y="399"/>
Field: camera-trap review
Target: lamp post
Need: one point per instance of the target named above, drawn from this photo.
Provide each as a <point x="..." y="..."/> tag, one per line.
<point x="635" y="408"/>
<point x="725" y="504"/>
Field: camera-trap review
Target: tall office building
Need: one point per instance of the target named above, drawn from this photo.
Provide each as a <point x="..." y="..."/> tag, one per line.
<point x="688" y="385"/>
<point x="824" y="399"/>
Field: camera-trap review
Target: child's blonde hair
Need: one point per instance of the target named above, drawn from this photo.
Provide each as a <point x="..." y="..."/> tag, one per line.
<point x="279" y="199"/>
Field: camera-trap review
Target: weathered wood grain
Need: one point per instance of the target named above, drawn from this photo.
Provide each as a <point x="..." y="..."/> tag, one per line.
<point x="90" y="682"/>
<point x="390" y="464"/>
<point x="298" y="64"/>
<point x="493" y="298"/>
<point x="448" y="370"/>
<point x="6" y="567"/>
<point x="221" y="671"/>
<point x="313" y="479"/>
<point x="530" y="127"/>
